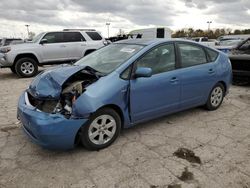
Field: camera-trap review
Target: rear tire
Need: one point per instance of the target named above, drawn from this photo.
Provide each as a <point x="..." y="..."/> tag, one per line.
<point x="26" y="67"/>
<point x="215" y="97"/>
<point x="101" y="130"/>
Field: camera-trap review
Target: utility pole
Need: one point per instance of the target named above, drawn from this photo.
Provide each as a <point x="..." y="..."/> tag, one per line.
<point x="28" y="30"/>
<point x="108" y="24"/>
<point x="209" y="22"/>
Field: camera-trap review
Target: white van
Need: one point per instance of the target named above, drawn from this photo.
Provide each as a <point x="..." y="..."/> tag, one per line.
<point x="151" y="33"/>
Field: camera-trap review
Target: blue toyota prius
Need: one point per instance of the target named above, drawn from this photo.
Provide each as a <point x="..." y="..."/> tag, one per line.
<point x="118" y="86"/>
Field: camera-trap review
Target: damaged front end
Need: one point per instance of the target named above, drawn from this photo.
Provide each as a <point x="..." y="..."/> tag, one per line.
<point x="52" y="95"/>
<point x="45" y="108"/>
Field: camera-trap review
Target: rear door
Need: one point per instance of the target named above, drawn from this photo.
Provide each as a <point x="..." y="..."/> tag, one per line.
<point x="197" y="74"/>
<point x="75" y="44"/>
<point x="55" y="48"/>
<point x="159" y="94"/>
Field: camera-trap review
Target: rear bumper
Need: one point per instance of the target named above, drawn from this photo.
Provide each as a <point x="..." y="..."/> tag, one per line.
<point x="51" y="131"/>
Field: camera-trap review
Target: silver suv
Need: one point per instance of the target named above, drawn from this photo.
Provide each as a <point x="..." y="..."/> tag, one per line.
<point x="49" y="48"/>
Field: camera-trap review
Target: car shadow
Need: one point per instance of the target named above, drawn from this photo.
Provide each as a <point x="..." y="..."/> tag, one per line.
<point x="8" y="75"/>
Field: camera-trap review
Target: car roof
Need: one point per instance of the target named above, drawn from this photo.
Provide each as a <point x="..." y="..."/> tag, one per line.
<point x="147" y="42"/>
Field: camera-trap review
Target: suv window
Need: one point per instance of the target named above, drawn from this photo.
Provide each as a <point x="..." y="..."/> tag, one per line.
<point x="160" y="59"/>
<point x="191" y="55"/>
<point x="73" y="37"/>
<point x="212" y="54"/>
<point x="54" y="37"/>
<point x="94" y="35"/>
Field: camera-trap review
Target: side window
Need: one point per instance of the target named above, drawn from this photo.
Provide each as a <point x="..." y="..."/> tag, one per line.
<point x="94" y="35"/>
<point x="73" y="37"/>
<point x="191" y="55"/>
<point x="54" y="37"/>
<point x="212" y="54"/>
<point x="160" y="59"/>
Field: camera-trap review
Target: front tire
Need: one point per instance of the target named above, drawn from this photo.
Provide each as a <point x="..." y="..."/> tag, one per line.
<point x="216" y="97"/>
<point x="101" y="130"/>
<point x="26" y="67"/>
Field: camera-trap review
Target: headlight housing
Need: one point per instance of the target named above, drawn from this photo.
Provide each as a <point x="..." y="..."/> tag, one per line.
<point x="5" y="49"/>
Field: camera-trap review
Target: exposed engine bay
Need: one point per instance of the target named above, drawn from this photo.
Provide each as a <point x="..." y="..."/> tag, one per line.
<point x="71" y="90"/>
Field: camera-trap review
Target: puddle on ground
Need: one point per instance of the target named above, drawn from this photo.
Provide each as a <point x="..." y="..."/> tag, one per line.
<point x="187" y="154"/>
<point x="174" y="186"/>
<point x="186" y="175"/>
<point x="245" y="98"/>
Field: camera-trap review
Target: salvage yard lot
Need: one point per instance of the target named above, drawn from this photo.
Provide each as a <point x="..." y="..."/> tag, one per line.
<point x="143" y="156"/>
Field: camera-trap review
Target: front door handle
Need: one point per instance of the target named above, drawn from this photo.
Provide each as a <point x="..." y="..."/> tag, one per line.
<point x="63" y="46"/>
<point x="211" y="71"/>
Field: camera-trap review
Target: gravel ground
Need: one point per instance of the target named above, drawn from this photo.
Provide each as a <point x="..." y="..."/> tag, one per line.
<point x="216" y="154"/>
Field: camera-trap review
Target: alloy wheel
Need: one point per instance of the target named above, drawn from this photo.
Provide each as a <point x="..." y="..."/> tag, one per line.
<point x="27" y="67"/>
<point x="102" y="129"/>
<point x="216" y="96"/>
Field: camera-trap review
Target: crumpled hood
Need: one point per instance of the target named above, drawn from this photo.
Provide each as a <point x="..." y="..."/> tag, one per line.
<point x="48" y="84"/>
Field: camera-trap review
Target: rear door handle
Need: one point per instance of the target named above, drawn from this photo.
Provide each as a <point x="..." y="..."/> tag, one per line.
<point x="63" y="46"/>
<point x="174" y="80"/>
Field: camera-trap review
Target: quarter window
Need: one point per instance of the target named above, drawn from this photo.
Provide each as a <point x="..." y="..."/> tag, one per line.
<point x="54" y="37"/>
<point x="160" y="59"/>
<point x="212" y="54"/>
<point x="191" y="55"/>
<point x="94" y="35"/>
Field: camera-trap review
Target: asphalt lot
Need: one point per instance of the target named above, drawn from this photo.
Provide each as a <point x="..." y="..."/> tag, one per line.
<point x="143" y="156"/>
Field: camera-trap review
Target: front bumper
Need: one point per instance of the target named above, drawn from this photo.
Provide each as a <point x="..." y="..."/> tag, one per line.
<point x="4" y="62"/>
<point x="51" y="131"/>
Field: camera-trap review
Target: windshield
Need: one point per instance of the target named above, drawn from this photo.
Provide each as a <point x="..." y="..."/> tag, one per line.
<point x="36" y="38"/>
<point x="107" y="59"/>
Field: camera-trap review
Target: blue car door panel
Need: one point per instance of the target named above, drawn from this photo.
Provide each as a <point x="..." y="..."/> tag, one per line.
<point x="196" y="74"/>
<point x="159" y="94"/>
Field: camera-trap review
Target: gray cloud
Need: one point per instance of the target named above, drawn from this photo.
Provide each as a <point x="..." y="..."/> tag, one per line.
<point x="46" y="12"/>
<point x="122" y="14"/>
<point x="140" y="12"/>
<point x="227" y="12"/>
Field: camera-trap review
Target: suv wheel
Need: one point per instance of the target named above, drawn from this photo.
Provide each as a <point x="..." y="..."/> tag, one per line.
<point x="26" y="67"/>
<point x="101" y="130"/>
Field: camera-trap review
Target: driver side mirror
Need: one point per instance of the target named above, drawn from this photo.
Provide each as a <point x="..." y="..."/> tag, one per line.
<point x="43" y="41"/>
<point x="143" y="72"/>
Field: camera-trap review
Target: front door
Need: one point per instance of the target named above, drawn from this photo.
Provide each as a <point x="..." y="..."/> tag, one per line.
<point x="159" y="94"/>
<point x="55" y="49"/>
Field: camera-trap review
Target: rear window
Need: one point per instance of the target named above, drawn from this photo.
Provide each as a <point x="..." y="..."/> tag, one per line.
<point x="212" y="54"/>
<point x="94" y="35"/>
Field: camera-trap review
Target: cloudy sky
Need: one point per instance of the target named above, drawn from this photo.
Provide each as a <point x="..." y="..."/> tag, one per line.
<point x="47" y="15"/>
